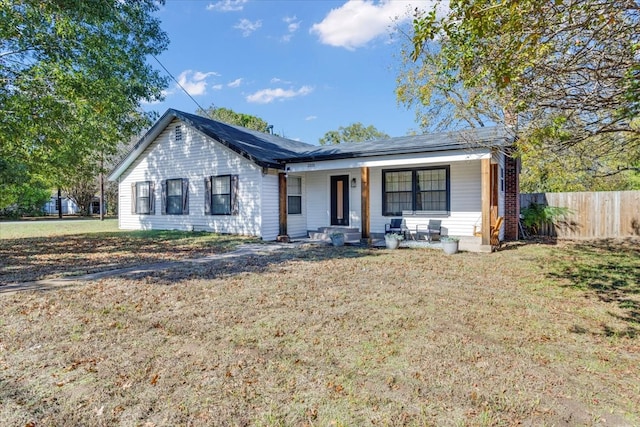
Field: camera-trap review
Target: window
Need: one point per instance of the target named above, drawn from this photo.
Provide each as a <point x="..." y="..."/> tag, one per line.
<point x="423" y="189"/>
<point x="142" y="198"/>
<point x="398" y="192"/>
<point x="178" y="134"/>
<point x="175" y="196"/>
<point x="220" y="195"/>
<point x="501" y="179"/>
<point x="294" y="195"/>
<point x="431" y="190"/>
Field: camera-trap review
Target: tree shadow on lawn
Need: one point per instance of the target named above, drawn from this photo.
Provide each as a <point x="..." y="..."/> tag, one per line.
<point x="29" y="259"/>
<point x="249" y="263"/>
<point x="608" y="269"/>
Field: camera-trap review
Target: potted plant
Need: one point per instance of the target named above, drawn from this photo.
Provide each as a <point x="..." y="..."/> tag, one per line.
<point x="337" y="238"/>
<point x="450" y="244"/>
<point x="392" y="240"/>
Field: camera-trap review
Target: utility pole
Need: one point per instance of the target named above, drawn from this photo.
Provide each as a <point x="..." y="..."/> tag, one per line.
<point x="59" y="203"/>
<point x="101" y="186"/>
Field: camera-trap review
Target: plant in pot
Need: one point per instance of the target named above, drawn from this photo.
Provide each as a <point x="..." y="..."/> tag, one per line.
<point x="449" y="244"/>
<point x="392" y="240"/>
<point x="337" y="238"/>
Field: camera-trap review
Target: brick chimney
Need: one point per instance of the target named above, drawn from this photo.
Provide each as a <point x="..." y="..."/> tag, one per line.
<point x="511" y="195"/>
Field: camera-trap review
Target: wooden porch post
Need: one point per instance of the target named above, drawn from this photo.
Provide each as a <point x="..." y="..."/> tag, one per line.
<point x="485" y="177"/>
<point x="282" y="214"/>
<point x="364" y="201"/>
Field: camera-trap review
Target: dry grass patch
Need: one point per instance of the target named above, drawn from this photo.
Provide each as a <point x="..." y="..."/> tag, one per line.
<point x="324" y="336"/>
<point x="34" y="258"/>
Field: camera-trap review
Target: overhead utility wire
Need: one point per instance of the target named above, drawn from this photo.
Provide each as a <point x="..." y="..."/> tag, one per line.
<point x="177" y="82"/>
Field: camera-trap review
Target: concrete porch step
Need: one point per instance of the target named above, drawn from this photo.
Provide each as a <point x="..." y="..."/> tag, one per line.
<point x="351" y="235"/>
<point x="335" y="228"/>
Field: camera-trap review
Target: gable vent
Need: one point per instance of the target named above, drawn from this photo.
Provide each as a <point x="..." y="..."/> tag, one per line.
<point x="178" y="134"/>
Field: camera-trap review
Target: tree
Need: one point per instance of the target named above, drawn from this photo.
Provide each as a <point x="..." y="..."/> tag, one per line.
<point x="568" y="71"/>
<point x="22" y="193"/>
<point x="72" y="76"/>
<point x="229" y="116"/>
<point x="355" y="132"/>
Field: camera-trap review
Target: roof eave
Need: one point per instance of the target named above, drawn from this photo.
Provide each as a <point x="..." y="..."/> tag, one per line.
<point x="142" y="144"/>
<point x="378" y="153"/>
<point x="232" y="147"/>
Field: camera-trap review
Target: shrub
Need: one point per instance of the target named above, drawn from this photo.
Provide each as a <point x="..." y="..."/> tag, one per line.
<point x="536" y="216"/>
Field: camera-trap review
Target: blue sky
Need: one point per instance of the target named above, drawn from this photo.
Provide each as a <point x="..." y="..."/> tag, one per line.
<point x="306" y="67"/>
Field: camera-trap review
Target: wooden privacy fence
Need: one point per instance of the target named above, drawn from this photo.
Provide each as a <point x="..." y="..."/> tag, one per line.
<point x="602" y="214"/>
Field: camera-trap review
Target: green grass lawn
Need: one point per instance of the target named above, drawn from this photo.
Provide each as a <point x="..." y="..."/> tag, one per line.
<point x="53" y="227"/>
<point x="535" y="334"/>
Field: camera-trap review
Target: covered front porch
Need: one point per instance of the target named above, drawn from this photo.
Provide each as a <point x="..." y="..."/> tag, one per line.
<point x="356" y="195"/>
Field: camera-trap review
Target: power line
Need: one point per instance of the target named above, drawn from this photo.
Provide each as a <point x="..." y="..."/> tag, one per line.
<point x="177" y="82"/>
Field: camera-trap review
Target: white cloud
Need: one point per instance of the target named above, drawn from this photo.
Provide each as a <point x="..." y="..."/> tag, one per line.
<point x="266" y="96"/>
<point x="227" y="5"/>
<point x="195" y="82"/>
<point x="309" y="118"/>
<point x="216" y="87"/>
<point x="235" y="83"/>
<point x="357" y="22"/>
<point x="279" y="80"/>
<point x="293" y="24"/>
<point x="247" y="26"/>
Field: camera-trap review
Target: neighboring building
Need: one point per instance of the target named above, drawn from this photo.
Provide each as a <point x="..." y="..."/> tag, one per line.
<point x="190" y="172"/>
<point x="67" y="205"/>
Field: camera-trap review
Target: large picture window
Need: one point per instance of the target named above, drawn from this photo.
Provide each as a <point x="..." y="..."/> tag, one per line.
<point x="175" y="196"/>
<point x="294" y="195"/>
<point x="142" y="198"/>
<point x="220" y="195"/>
<point x="417" y="190"/>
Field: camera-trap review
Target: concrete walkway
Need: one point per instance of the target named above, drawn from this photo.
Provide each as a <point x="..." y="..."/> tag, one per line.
<point x="63" y="282"/>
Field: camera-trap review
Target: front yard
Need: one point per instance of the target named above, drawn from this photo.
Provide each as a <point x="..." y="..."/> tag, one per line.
<point x="535" y="335"/>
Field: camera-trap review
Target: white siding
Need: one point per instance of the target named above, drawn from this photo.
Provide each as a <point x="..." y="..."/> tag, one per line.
<point x="270" y="207"/>
<point x="195" y="157"/>
<point x="316" y="200"/>
<point x="465" y="201"/>
<point x="318" y="195"/>
<point x="297" y="224"/>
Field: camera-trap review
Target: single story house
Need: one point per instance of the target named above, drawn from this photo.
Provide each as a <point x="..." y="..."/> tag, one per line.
<point x="192" y="173"/>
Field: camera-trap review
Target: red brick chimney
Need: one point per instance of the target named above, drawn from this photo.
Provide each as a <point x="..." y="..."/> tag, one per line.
<point x="511" y="195"/>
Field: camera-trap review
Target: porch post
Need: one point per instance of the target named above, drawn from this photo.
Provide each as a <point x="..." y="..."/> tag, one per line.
<point x="485" y="177"/>
<point x="282" y="214"/>
<point x="364" y="201"/>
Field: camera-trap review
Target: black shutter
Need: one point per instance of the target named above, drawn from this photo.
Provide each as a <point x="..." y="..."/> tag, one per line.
<point x="185" y="196"/>
<point x="163" y="198"/>
<point x="134" y="194"/>
<point x="152" y="198"/>
<point x="235" y="210"/>
<point x="207" y="195"/>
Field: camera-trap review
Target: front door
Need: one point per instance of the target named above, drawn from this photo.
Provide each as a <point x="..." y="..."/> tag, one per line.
<point x="340" y="200"/>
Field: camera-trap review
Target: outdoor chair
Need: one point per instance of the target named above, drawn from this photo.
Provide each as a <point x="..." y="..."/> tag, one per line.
<point x="430" y="230"/>
<point x="494" y="233"/>
<point x="397" y="225"/>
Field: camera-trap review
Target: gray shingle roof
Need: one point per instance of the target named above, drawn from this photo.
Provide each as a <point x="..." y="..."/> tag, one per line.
<point x="443" y="141"/>
<point x="272" y="151"/>
<point x="262" y="148"/>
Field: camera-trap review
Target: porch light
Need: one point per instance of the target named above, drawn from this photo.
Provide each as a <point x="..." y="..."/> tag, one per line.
<point x="353" y="183"/>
